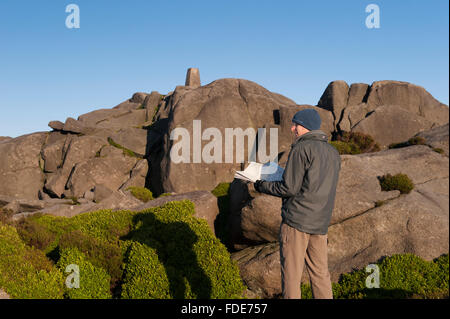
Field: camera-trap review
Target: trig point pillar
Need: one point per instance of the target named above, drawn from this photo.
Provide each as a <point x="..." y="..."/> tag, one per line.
<point x="193" y="77"/>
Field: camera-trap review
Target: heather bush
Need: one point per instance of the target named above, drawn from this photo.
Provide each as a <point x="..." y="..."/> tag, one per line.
<point x="401" y="276"/>
<point x="399" y="182"/>
<point x="25" y="272"/>
<point x="355" y="143"/>
<point x="127" y="246"/>
<point x="94" y="282"/>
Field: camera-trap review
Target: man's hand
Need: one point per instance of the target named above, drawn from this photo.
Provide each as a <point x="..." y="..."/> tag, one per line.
<point x="257" y="185"/>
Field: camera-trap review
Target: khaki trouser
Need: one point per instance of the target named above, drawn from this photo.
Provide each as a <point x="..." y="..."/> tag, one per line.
<point x="297" y="247"/>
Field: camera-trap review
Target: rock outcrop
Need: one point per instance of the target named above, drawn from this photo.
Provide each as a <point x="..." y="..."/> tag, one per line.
<point x="88" y="163"/>
<point x="377" y="109"/>
<point x="222" y="104"/>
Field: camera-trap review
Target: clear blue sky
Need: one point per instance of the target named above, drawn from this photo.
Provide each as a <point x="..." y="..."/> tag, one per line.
<point x="49" y="72"/>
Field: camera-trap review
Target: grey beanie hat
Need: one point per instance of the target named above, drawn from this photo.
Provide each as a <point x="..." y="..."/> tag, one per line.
<point x="308" y="118"/>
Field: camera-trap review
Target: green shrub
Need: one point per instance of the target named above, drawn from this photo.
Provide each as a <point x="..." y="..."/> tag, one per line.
<point x="346" y="147"/>
<point x="25" y="272"/>
<point x="196" y="264"/>
<point x="401" y="276"/>
<point x="94" y="282"/>
<point x="144" y="275"/>
<point x="141" y="193"/>
<point x="355" y="143"/>
<point x="98" y="252"/>
<point x="42" y="231"/>
<point x="399" y="182"/>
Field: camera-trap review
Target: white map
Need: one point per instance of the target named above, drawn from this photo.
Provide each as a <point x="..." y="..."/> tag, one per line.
<point x="256" y="171"/>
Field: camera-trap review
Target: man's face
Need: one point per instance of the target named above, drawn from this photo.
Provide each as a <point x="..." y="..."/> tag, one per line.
<point x="298" y="130"/>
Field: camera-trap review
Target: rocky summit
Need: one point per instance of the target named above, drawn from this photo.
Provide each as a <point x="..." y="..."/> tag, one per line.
<point x="95" y="161"/>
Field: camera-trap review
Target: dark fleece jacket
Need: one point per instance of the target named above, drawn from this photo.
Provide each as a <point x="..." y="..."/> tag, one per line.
<point x="308" y="188"/>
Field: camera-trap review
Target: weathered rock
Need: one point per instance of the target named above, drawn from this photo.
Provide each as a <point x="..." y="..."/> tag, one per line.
<point x="56" y="125"/>
<point x="226" y="103"/>
<point x="413" y="98"/>
<point x="437" y="137"/>
<point x="259" y="268"/>
<point x="411" y="223"/>
<point x="62" y="210"/>
<point x="193" y="78"/>
<point x="138" y="97"/>
<point x="52" y="155"/>
<point x="89" y="195"/>
<point x="110" y="119"/>
<point x="101" y="192"/>
<point x="357" y="94"/>
<point x="20" y="173"/>
<point x="255" y="218"/>
<point x="111" y="171"/>
<point x="389" y="124"/>
<point x="127" y="106"/>
<point x="352" y="115"/>
<point x="74" y="126"/>
<point x="138" y="176"/>
<point x="205" y="205"/>
<point x="110" y="151"/>
<point x="17" y="205"/>
<point x="119" y="200"/>
<point x="335" y="98"/>
<point x="76" y="149"/>
<point x="133" y="139"/>
<point x="151" y="103"/>
<point x="358" y="187"/>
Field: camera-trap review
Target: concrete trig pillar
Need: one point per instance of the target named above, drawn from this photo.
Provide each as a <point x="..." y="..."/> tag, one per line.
<point x="193" y="77"/>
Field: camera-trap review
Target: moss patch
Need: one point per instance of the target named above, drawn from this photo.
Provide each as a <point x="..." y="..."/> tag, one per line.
<point x="126" y="151"/>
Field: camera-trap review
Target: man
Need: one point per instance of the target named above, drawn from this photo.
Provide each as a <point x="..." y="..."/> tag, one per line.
<point x="308" y="192"/>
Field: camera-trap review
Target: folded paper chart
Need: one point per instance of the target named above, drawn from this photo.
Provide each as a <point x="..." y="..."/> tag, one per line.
<point x="257" y="171"/>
